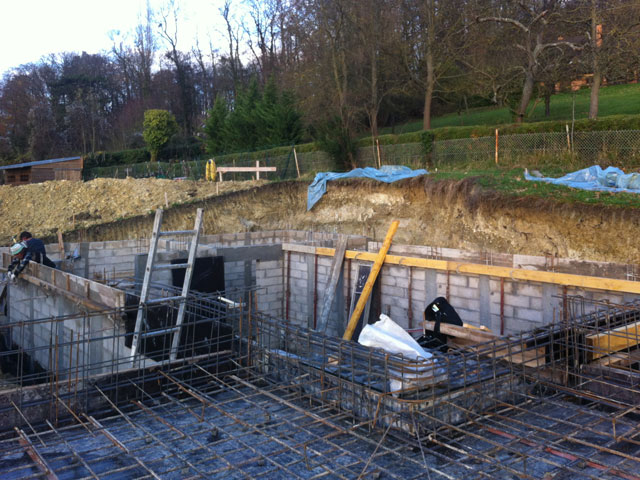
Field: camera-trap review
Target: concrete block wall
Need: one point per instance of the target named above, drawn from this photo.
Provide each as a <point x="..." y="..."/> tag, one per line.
<point x="270" y="293"/>
<point x="92" y="336"/>
<point x="502" y="305"/>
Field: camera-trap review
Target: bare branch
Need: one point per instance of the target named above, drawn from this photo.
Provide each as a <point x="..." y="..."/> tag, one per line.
<point x="503" y="20"/>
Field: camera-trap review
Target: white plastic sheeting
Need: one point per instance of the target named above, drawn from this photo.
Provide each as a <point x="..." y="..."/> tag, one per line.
<point x="421" y="368"/>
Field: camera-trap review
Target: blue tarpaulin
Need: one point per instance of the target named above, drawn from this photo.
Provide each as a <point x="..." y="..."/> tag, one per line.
<point x="594" y="178"/>
<point x="387" y="174"/>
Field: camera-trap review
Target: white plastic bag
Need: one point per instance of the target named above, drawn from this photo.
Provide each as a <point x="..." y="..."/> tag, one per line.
<point x="420" y="369"/>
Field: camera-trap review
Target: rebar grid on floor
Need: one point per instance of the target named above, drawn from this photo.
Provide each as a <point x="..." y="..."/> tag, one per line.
<point x="267" y="399"/>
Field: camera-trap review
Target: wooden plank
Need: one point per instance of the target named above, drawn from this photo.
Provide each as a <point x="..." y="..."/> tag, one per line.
<point x="246" y="169"/>
<point x="473" y="334"/>
<point x="330" y="290"/>
<point x="564" y="279"/>
<point x="620" y="338"/>
<point x="619" y="359"/>
<point x="470" y="337"/>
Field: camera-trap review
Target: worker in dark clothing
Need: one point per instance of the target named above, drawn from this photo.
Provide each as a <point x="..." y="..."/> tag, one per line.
<point x="35" y="250"/>
<point x="28" y="250"/>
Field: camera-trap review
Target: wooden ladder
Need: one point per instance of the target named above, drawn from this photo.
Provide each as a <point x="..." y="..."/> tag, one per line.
<point x="138" y="333"/>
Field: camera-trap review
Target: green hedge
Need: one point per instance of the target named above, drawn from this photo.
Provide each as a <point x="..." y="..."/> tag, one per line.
<point x="182" y="151"/>
<point x="193" y="150"/>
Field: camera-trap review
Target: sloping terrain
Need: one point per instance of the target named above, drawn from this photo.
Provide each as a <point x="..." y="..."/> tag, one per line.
<point x="457" y="214"/>
<point x="45" y="208"/>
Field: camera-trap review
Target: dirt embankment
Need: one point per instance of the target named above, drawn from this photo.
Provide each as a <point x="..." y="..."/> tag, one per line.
<point x="45" y="208"/>
<point x="445" y="214"/>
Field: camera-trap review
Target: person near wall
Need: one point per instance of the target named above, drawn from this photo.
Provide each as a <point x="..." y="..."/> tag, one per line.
<point x="35" y="250"/>
<point x="29" y="249"/>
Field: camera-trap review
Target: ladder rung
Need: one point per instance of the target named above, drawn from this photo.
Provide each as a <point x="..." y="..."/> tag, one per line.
<point x="170" y="266"/>
<point x="176" y="232"/>
<point x="155" y="333"/>
<point x="153" y="301"/>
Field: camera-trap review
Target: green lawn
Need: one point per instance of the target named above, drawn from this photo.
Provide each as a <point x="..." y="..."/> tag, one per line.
<point x="614" y="100"/>
<point x="511" y="182"/>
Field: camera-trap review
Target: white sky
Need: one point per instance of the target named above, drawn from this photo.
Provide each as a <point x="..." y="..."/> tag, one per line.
<point x="31" y="29"/>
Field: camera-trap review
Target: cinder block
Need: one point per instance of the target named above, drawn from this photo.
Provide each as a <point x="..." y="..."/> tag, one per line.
<point x="473" y="282"/>
<point x="466" y="303"/>
<point x="468" y="316"/>
<point x="494" y="308"/>
<point x="529" y="315"/>
<point x="528" y="289"/>
<point x="462" y="292"/>
<point x="388" y="280"/>
<point x="395" y="292"/>
<point x="517" y="301"/>
<point x="269" y="281"/>
<point x="418" y="274"/>
<point x="494" y="285"/>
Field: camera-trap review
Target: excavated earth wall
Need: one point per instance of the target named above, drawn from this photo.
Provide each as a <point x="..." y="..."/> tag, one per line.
<point x="455" y="214"/>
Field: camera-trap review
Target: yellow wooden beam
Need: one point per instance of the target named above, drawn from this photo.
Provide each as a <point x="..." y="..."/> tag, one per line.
<point x="564" y="279"/>
<point x="366" y="290"/>
<point x="614" y="340"/>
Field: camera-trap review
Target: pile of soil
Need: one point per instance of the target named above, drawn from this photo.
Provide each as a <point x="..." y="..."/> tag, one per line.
<point x="45" y="208"/>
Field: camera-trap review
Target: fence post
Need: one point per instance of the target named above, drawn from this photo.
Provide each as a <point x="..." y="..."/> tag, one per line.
<point x="568" y="137"/>
<point x="295" y="157"/>
<point x="378" y="148"/>
<point x="496" y="146"/>
<point x="257" y="171"/>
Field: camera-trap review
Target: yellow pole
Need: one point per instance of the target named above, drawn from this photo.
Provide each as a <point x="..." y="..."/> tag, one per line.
<point x="366" y="291"/>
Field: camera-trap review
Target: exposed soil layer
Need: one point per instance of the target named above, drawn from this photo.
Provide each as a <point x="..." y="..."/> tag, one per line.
<point x="45" y="208"/>
<point x="456" y="214"/>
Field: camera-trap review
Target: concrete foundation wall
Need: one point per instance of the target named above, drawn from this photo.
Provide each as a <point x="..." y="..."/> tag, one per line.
<point x="292" y="284"/>
<point x="82" y="340"/>
<point x="501" y="305"/>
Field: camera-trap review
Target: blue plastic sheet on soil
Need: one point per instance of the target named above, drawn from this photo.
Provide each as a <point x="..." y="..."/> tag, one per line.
<point x="387" y="174"/>
<point x="611" y="179"/>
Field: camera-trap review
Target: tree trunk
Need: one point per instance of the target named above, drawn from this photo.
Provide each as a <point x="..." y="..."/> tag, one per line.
<point x="428" y="92"/>
<point x="597" y="73"/>
<point x="527" y="91"/>
<point x="595" y="92"/>
<point x="547" y="102"/>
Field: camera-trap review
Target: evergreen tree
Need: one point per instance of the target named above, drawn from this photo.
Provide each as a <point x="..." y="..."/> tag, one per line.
<point x="257" y="120"/>
<point x="214" y="127"/>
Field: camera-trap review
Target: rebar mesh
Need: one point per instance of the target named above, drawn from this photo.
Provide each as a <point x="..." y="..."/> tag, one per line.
<point x="267" y="399"/>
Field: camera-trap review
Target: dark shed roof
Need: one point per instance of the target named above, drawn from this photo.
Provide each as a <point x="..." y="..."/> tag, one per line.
<point x="39" y="162"/>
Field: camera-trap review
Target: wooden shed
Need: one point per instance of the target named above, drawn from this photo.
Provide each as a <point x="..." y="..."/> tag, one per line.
<point x="69" y="168"/>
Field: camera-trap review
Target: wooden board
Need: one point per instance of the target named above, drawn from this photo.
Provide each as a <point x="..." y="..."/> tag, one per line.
<point x="471" y="338"/>
<point x="330" y="291"/>
<point x="620" y="338"/>
<point x="565" y="279"/>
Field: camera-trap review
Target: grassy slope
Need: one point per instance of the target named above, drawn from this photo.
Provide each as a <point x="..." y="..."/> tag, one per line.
<point x="617" y="99"/>
<point x="509" y="180"/>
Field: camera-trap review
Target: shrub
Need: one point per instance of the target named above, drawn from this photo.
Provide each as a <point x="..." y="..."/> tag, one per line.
<point x="159" y="126"/>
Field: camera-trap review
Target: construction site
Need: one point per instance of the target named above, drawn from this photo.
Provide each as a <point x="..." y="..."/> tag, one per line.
<point x="175" y="345"/>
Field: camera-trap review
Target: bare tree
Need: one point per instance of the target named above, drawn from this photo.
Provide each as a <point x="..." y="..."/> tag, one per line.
<point x="531" y="25"/>
<point x="233" y="36"/>
<point x="432" y="32"/>
<point x="169" y="31"/>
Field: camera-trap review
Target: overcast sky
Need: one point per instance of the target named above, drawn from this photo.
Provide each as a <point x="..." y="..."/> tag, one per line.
<point x="30" y="29"/>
